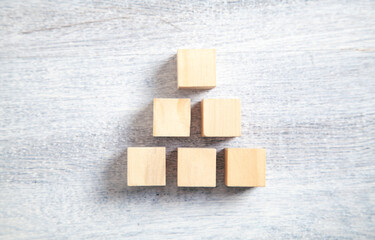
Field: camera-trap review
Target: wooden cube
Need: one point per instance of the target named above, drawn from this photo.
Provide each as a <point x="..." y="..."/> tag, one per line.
<point x="196" y="68"/>
<point x="245" y="167"/>
<point x="146" y="166"/>
<point x="196" y="167"/>
<point x="221" y="118"/>
<point x="172" y="117"/>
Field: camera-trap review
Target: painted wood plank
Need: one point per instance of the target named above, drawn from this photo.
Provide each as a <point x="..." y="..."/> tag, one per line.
<point x="77" y="82"/>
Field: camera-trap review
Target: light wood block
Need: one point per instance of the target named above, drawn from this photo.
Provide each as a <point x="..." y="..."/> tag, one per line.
<point x="146" y="166"/>
<point x="245" y="167"/>
<point x="196" y="68"/>
<point x="196" y="167"/>
<point x="172" y="117"/>
<point x="221" y="117"/>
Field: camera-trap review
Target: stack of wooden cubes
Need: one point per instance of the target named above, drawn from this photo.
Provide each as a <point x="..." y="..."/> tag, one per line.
<point x="196" y="167"/>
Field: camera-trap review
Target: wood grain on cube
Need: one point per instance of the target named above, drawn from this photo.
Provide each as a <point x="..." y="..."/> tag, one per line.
<point x="245" y="167"/>
<point x="172" y="117"/>
<point x="146" y="166"/>
<point x="221" y="117"/>
<point x="196" y="68"/>
<point x="196" y="167"/>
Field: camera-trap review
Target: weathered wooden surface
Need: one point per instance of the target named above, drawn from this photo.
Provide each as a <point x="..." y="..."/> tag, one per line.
<point x="77" y="83"/>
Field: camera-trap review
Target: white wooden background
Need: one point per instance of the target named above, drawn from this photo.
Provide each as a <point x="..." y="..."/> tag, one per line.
<point x="77" y="79"/>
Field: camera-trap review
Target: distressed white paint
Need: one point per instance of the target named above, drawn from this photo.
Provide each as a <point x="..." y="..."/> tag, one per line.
<point x="77" y="83"/>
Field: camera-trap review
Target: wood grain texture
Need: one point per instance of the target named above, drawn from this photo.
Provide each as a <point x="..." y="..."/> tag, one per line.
<point x="196" y="167"/>
<point x="77" y="82"/>
<point x="196" y="68"/>
<point x="146" y="166"/>
<point x="221" y="117"/>
<point x="245" y="167"/>
<point x="172" y="117"/>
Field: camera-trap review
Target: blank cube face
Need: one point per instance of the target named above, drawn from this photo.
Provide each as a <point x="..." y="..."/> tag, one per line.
<point x="171" y="117"/>
<point x="221" y="118"/>
<point x="196" y="68"/>
<point x="245" y="167"/>
<point x="146" y="166"/>
<point x="196" y="167"/>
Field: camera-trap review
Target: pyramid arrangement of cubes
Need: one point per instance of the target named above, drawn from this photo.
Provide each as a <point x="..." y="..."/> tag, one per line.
<point x="196" y="167"/>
